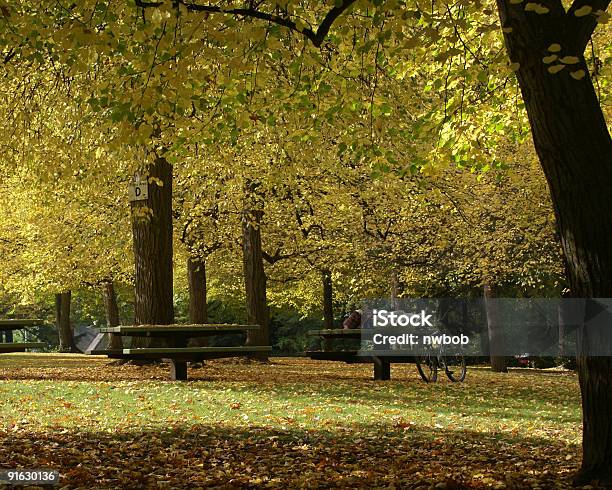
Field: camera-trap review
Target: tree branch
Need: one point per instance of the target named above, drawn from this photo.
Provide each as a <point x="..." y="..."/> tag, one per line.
<point x="316" y="38"/>
<point x="580" y="29"/>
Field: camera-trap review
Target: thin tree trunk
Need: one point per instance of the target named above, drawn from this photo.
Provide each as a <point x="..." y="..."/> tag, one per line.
<point x="198" y="307"/>
<point x="64" y="327"/>
<point x="153" y="253"/>
<point x="255" y="280"/>
<point x="397" y="288"/>
<point x="496" y="340"/>
<point x="112" y="313"/>
<point x="328" y="299"/>
<point x="575" y="150"/>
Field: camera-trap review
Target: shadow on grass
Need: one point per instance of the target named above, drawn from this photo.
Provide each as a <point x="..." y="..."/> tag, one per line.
<point x="204" y="456"/>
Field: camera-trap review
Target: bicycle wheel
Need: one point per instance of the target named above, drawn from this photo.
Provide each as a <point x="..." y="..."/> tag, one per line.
<point x="454" y="367"/>
<point x="427" y="366"/>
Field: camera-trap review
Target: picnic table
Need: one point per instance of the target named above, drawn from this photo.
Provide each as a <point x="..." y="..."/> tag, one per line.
<point x="382" y="363"/>
<point x="179" y="354"/>
<point x="7" y="326"/>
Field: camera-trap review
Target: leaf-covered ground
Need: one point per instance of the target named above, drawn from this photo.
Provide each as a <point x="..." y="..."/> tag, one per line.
<point x="291" y="423"/>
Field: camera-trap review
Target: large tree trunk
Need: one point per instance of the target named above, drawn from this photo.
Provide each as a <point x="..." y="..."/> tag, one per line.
<point x="495" y="330"/>
<point x="328" y="299"/>
<point x="198" y="307"/>
<point x="575" y="150"/>
<point x="153" y="252"/>
<point x="112" y="313"/>
<point x="64" y="327"/>
<point x="255" y="280"/>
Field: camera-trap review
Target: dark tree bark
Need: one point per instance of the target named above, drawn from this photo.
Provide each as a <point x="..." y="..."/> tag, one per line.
<point x="112" y="313"/>
<point x="153" y="253"/>
<point x="255" y="280"/>
<point x="496" y="339"/>
<point x="575" y="151"/>
<point x="198" y="307"/>
<point x="328" y="299"/>
<point x="196" y="275"/>
<point x="64" y="327"/>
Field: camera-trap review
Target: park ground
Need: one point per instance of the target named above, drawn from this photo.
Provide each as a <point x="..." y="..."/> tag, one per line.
<point x="290" y="423"/>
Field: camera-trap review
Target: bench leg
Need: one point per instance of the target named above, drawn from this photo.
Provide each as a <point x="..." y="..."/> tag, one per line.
<point x="382" y="369"/>
<point x="178" y="370"/>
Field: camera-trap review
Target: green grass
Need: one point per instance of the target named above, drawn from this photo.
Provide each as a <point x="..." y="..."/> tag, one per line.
<point x="455" y="430"/>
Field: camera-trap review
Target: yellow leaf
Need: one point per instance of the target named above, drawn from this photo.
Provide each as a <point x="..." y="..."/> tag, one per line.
<point x="537" y="8"/>
<point x="603" y="17"/>
<point x="578" y="74"/>
<point x="554" y="48"/>
<point x="582" y="11"/>
<point x="515" y="66"/>
<point x="569" y="60"/>
<point x="555" y="68"/>
<point x="549" y="59"/>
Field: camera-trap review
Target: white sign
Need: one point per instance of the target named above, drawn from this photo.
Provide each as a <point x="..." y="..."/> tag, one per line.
<point x="139" y="189"/>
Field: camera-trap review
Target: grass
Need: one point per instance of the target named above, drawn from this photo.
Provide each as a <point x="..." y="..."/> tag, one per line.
<point x="290" y="423"/>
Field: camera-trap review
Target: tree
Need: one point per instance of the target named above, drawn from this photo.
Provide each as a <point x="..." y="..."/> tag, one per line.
<point x="64" y="326"/>
<point x="495" y="331"/>
<point x="153" y="248"/>
<point x="255" y="280"/>
<point x="575" y="150"/>
<point x="112" y="313"/>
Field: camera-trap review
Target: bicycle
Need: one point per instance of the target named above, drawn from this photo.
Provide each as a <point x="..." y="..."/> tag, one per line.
<point x="454" y="367"/>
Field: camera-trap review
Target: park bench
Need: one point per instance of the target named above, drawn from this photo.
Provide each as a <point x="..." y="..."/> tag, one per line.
<point x="7" y="326"/>
<point x="6" y="347"/>
<point x="382" y="364"/>
<point x="179" y="354"/>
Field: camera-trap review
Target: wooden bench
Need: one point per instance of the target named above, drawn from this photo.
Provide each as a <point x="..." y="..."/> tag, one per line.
<point x="382" y="364"/>
<point x="8" y="325"/>
<point x="6" y="347"/>
<point x="180" y="354"/>
<point x="178" y="357"/>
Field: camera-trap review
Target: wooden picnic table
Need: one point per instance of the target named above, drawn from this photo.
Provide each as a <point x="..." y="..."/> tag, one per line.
<point x="18" y="324"/>
<point x="382" y="363"/>
<point x="178" y="330"/>
<point x="6" y="347"/>
<point x="7" y="326"/>
<point x="179" y="354"/>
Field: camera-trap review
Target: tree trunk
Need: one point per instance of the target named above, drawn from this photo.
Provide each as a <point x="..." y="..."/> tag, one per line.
<point x="255" y="280"/>
<point x="112" y="314"/>
<point x="153" y="252"/>
<point x="198" y="307"/>
<point x="575" y="150"/>
<point x="62" y="313"/>
<point x="397" y="288"/>
<point x="328" y="299"/>
<point x="496" y="339"/>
